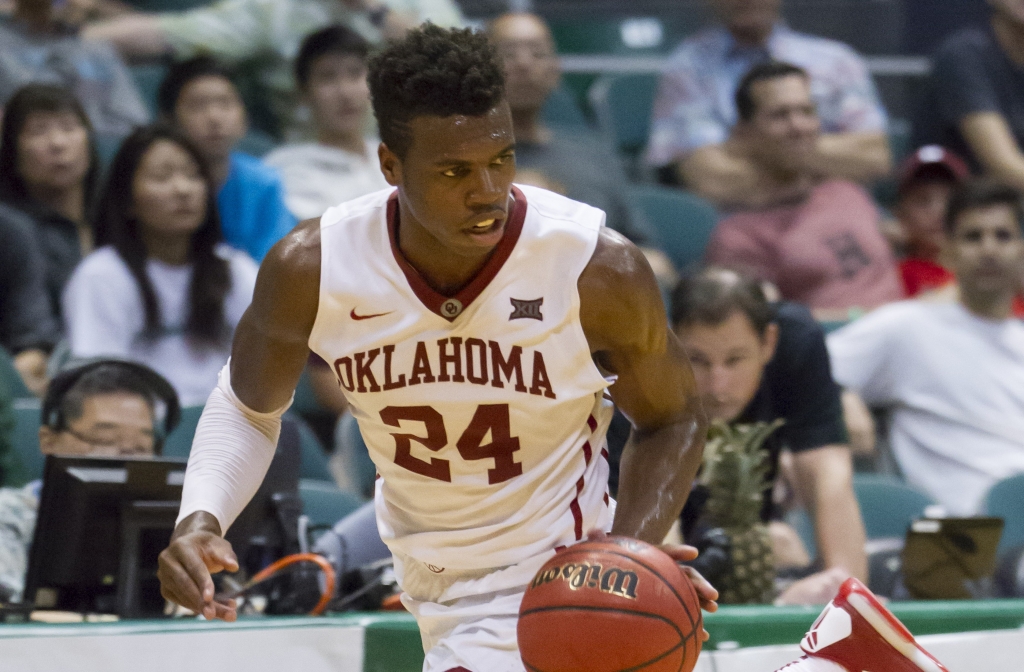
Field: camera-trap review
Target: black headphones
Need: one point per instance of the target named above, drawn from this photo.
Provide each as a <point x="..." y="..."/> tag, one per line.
<point x="166" y="410"/>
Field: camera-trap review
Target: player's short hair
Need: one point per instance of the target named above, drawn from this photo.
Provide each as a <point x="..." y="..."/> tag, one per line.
<point x="712" y="295"/>
<point x="763" y="72"/>
<point x="181" y="74"/>
<point x="432" y="72"/>
<point x="336" y="39"/>
<point x="983" y="192"/>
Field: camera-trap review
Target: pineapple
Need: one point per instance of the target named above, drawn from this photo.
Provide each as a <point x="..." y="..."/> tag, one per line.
<point x="734" y="473"/>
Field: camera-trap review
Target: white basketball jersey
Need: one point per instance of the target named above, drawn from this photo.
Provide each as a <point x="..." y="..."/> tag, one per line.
<point x="483" y="412"/>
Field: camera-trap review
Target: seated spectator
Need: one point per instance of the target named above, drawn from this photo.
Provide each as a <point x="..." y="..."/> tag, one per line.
<point x="36" y="47"/>
<point x="199" y="97"/>
<point x="753" y="362"/>
<point x="823" y="247"/>
<point x="694" y="110"/>
<point x="264" y="34"/>
<point x="576" y="162"/>
<point x="107" y="408"/>
<point x="926" y="181"/>
<point x="162" y="290"/>
<point x="28" y="329"/>
<point x="976" y="105"/>
<point x="952" y="373"/>
<point x="48" y="172"/>
<point x="342" y="164"/>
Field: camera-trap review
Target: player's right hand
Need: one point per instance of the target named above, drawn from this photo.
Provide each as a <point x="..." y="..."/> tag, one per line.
<point x="197" y="551"/>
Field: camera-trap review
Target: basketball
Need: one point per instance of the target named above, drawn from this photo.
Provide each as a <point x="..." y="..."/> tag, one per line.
<point x="608" y="606"/>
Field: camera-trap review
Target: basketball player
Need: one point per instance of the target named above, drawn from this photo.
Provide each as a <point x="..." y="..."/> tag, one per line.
<point x="478" y="330"/>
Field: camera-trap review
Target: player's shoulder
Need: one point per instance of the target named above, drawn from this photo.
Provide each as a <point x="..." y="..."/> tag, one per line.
<point x="364" y="208"/>
<point x="554" y="208"/>
<point x="297" y="255"/>
<point x="616" y="259"/>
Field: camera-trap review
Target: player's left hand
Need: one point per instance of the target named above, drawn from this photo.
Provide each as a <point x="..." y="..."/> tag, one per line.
<point x="705" y="591"/>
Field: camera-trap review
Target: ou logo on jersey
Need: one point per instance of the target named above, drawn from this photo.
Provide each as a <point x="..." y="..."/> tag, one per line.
<point x="451" y="308"/>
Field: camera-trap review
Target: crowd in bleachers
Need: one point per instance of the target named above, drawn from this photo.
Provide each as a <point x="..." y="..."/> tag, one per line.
<point x="150" y="160"/>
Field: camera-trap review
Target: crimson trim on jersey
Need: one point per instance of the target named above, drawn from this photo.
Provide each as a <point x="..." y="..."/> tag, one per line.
<point x="577" y="513"/>
<point x="432" y="299"/>
<point x="574" y="505"/>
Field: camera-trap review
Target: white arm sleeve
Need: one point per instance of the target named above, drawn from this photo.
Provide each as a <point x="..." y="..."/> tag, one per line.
<point x="231" y="453"/>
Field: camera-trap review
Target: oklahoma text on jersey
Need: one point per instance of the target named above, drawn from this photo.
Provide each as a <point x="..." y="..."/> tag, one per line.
<point x="474" y="361"/>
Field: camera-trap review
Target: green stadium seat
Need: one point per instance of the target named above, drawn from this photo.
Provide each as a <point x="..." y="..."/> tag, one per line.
<point x="682" y="222"/>
<point x="147" y="80"/>
<point x="623" y="105"/>
<point x="887" y="505"/>
<point x="179" y="442"/>
<point x="351" y="451"/>
<point x="257" y="143"/>
<point x="324" y="503"/>
<point x="314" y="464"/>
<point x="11" y="379"/>
<point x="561" y="109"/>
<point x="167" y="5"/>
<point x="833" y="325"/>
<point x="1006" y="500"/>
<point x="625" y="35"/>
<point x="901" y="138"/>
<point x="26" y="463"/>
<point x="582" y="36"/>
<point x="900" y="145"/>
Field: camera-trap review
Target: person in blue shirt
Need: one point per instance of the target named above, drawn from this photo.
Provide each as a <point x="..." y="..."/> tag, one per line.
<point x="199" y="96"/>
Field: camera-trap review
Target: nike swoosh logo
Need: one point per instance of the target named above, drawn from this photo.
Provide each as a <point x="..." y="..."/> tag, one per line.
<point x="366" y="317"/>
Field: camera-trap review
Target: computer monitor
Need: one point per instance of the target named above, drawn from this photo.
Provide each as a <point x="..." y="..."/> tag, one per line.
<point x="103" y="522"/>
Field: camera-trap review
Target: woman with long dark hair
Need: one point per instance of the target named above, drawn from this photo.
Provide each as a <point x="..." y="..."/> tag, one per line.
<point x="162" y="288"/>
<point x="48" y="171"/>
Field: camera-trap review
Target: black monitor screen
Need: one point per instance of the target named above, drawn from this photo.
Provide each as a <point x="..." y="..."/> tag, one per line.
<point x="87" y="502"/>
<point x="104" y="521"/>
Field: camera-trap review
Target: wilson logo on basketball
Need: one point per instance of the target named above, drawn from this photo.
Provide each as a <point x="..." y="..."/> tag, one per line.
<point x="614" y="580"/>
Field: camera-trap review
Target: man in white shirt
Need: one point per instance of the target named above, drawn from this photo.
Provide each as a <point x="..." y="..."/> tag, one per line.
<point x="953" y="373"/>
<point x="342" y="164"/>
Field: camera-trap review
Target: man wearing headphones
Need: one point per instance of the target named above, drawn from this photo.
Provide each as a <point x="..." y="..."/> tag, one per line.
<point x="102" y="408"/>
